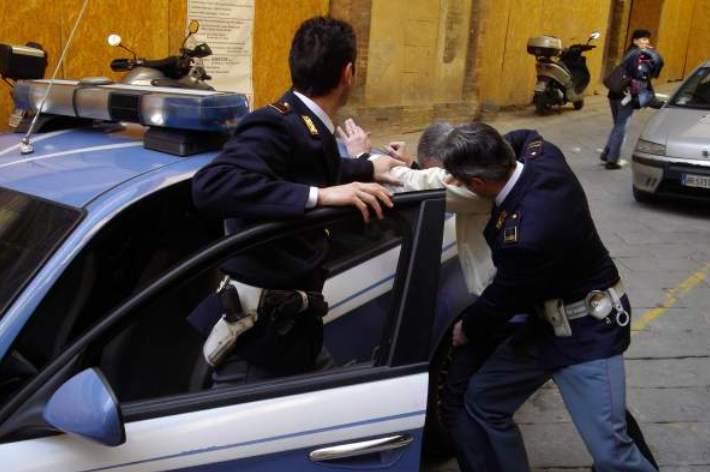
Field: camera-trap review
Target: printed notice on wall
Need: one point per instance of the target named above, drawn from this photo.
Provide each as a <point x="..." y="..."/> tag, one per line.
<point x="226" y="26"/>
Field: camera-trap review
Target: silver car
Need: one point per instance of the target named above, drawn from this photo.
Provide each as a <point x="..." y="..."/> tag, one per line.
<point x="672" y="155"/>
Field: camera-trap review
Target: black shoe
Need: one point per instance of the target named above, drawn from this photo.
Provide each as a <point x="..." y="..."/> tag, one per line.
<point x="612" y="165"/>
<point x="602" y="156"/>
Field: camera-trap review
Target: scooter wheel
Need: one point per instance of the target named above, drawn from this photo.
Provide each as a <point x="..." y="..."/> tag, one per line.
<point x="578" y="105"/>
<point x="541" y="105"/>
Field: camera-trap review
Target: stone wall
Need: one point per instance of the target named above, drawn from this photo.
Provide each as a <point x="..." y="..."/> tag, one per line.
<point x="414" y="62"/>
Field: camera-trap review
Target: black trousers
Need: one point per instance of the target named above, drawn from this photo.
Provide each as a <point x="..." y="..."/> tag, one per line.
<point x="466" y="360"/>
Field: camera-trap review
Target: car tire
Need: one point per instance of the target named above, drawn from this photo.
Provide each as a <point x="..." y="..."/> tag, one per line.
<point x="578" y="105"/>
<point x="643" y="197"/>
<point x="437" y="441"/>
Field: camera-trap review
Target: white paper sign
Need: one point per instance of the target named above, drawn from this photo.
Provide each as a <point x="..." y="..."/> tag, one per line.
<point x="226" y="26"/>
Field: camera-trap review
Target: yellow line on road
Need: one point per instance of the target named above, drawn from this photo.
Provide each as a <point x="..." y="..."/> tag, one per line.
<point x="671" y="299"/>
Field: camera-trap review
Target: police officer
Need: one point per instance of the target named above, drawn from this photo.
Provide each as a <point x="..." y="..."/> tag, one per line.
<point x="550" y="261"/>
<point x="282" y="160"/>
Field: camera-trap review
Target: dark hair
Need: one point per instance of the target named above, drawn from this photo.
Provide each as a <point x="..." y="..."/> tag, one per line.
<point x="640" y="33"/>
<point x="477" y="150"/>
<point x="321" y="48"/>
<point x="432" y="141"/>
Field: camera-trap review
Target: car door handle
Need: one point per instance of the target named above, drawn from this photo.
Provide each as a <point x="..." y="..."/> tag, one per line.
<point x="372" y="446"/>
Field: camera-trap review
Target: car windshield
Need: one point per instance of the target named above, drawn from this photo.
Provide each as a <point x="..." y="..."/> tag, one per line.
<point x="695" y="92"/>
<point x="30" y="229"/>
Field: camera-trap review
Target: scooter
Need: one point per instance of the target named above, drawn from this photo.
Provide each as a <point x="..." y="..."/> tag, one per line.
<point x="181" y="71"/>
<point x="562" y="74"/>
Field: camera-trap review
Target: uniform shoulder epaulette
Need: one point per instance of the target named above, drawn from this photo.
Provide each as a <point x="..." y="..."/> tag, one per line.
<point x="281" y="107"/>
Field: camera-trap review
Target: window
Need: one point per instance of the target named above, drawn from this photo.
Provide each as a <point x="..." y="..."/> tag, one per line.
<point x="130" y="252"/>
<point x="695" y="92"/>
<point x="30" y="229"/>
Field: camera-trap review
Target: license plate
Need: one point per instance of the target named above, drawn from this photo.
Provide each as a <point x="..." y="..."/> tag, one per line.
<point x="700" y="181"/>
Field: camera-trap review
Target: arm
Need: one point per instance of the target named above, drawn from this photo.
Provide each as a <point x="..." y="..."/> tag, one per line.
<point x="458" y="199"/>
<point x="246" y="178"/>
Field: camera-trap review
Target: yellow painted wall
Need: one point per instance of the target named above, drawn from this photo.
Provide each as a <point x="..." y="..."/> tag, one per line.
<point x="699" y="42"/>
<point x="645" y="14"/>
<point x="505" y="71"/>
<point x="153" y="29"/>
<point x="417" y="52"/>
<point x="275" y="22"/>
<point x="673" y="36"/>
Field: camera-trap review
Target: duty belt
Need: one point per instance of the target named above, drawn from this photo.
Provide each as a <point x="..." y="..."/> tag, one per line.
<point x="598" y="304"/>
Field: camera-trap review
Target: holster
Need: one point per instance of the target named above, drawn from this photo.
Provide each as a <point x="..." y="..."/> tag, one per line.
<point x="553" y="312"/>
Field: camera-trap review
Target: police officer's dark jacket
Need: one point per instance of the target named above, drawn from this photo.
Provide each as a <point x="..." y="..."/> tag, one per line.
<point x="545" y="246"/>
<point x="264" y="173"/>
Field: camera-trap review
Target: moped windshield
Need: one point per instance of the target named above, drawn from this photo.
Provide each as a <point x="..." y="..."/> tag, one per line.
<point x="30" y="230"/>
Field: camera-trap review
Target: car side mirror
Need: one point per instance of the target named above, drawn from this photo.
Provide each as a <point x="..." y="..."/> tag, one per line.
<point x="85" y="405"/>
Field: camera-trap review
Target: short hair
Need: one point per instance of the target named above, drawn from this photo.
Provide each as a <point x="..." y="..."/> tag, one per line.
<point x="640" y="33"/>
<point x="432" y="140"/>
<point x="478" y="150"/>
<point x="320" y="49"/>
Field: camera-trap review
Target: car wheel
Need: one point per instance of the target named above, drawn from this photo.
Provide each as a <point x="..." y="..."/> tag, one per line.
<point x="437" y="441"/>
<point x="578" y="105"/>
<point x="643" y="197"/>
<point x="541" y="105"/>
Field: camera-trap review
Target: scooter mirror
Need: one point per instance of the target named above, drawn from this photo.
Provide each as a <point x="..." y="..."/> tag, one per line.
<point x="594" y="35"/>
<point x="193" y="27"/>
<point x="114" y="40"/>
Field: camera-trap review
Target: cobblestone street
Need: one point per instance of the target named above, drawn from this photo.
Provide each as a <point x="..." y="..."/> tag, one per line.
<point x="663" y="252"/>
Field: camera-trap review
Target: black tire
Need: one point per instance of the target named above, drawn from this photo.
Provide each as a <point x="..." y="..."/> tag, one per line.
<point x="541" y="105"/>
<point x="643" y="197"/>
<point x="578" y="105"/>
<point x="437" y="441"/>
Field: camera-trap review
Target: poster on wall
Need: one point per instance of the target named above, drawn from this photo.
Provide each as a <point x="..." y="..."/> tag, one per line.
<point x="226" y="26"/>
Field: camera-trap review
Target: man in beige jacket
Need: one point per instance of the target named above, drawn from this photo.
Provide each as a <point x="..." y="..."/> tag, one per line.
<point x="472" y="212"/>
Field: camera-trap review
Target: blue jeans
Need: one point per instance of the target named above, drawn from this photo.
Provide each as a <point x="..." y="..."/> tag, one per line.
<point x="594" y="393"/>
<point x="621" y="114"/>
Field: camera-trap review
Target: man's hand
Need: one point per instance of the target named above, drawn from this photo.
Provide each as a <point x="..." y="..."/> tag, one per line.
<point x="398" y="150"/>
<point x="459" y="337"/>
<point x="364" y="196"/>
<point x="356" y="139"/>
<point x="381" y="169"/>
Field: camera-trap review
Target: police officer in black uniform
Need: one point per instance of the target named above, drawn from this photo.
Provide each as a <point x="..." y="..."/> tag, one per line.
<point x="550" y="261"/>
<point x="282" y="160"/>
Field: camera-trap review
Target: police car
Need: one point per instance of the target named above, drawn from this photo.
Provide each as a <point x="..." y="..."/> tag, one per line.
<point x="103" y="256"/>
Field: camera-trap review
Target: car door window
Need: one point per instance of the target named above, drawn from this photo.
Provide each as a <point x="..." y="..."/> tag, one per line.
<point x="158" y="353"/>
<point x="131" y="251"/>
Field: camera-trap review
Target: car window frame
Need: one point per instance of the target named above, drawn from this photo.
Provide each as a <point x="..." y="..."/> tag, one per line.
<point x="401" y="359"/>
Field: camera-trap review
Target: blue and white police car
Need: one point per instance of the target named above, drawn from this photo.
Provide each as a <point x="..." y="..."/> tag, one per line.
<point x="103" y="256"/>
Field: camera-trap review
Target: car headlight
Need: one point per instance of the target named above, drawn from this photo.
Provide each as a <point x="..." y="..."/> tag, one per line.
<point x="649" y="147"/>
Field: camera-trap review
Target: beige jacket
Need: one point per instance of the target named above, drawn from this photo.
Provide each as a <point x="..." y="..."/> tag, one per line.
<point x="472" y="215"/>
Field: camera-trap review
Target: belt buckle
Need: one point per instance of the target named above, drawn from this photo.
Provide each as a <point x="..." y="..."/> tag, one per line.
<point x="599" y="304"/>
